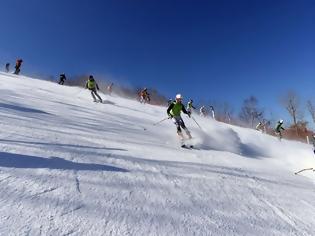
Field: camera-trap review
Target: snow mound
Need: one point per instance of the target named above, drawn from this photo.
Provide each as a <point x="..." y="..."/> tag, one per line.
<point x="216" y="138"/>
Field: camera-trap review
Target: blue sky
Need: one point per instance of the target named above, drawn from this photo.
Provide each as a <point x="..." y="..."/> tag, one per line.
<point x="207" y="50"/>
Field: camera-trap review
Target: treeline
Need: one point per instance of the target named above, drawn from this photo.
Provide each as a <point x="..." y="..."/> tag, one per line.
<point x="296" y="128"/>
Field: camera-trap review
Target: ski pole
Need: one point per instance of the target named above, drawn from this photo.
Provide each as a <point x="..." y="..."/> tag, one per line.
<point x="161" y="121"/>
<point x="304" y="170"/>
<point x="196" y="122"/>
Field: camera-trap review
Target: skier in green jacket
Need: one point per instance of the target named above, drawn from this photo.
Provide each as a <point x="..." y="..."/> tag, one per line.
<point x="174" y="110"/>
<point x="92" y="86"/>
<point x="279" y="128"/>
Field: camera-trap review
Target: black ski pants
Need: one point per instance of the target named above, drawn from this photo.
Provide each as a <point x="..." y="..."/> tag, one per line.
<point x="94" y="93"/>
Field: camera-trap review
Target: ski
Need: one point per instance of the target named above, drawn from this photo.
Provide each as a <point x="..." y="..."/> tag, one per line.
<point x="187" y="146"/>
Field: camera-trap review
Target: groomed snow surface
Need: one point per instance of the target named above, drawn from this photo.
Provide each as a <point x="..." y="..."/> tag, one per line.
<point x="69" y="166"/>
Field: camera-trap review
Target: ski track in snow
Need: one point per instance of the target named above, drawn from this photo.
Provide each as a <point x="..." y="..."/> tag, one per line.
<point x="69" y="166"/>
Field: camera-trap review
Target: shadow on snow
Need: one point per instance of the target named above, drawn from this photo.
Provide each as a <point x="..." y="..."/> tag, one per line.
<point x="20" y="108"/>
<point x="60" y="145"/>
<point x="12" y="160"/>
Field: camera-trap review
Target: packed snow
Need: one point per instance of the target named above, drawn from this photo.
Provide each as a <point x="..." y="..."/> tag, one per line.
<point x="69" y="166"/>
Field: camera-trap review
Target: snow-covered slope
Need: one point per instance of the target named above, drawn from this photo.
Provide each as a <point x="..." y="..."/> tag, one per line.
<point x="69" y="166"/>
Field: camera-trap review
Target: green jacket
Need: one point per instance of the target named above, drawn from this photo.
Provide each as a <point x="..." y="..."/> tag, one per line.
<point x="279" y="127"/>
<point x="91" y="84"/>
<point x="175" y="109"/>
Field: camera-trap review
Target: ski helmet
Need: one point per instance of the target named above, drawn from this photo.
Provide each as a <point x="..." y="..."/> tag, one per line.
<point x="281" y="121"/>
<point x="178" y="97"/>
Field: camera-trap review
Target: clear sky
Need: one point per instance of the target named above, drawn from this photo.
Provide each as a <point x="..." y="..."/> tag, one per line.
<point x="210" y="50"/>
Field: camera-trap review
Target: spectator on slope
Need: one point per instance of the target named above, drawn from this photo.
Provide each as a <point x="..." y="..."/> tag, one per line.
<point x="18" y="66"/>
<point x="93" y="86"/>
<point x="190" y="106"/>
<point x="7" y="67"/>
<point x="279" y="128"/>
<point x="62" y="78"/>
<point x="174" y="112"/>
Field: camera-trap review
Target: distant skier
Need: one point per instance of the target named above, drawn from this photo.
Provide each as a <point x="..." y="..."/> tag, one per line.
<point x="212" y="112"/>
<point x="279" y="128"/>
<point x="110" y="88"/>
<point x="7" y="67"/>
<point x="263" y="125"/>
<point x="18" y="66"/>
<point x="190" y="106"/>
<point x="62" y="78"/>
<point x="174" y="110"/>
<point x="260" y="126"/>
<point x="93" y="86"/>
<point x="203" y="111"/>
<point x="144" y="96"/>
<point x="228" y="116"/>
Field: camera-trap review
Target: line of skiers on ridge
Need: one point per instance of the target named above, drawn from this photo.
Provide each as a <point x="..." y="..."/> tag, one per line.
<point x="144" y="97"/>
<point x="90" y="84"/>
<point x="202" y="111"/>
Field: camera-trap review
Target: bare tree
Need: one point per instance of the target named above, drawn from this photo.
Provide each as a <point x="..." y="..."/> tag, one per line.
<point x="311" y="109"/>
<point x="291" y="102"/>
<point x="250" y="111"/>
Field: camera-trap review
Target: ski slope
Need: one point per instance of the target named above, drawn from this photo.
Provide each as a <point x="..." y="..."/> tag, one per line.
<point x="69" y="166"/>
